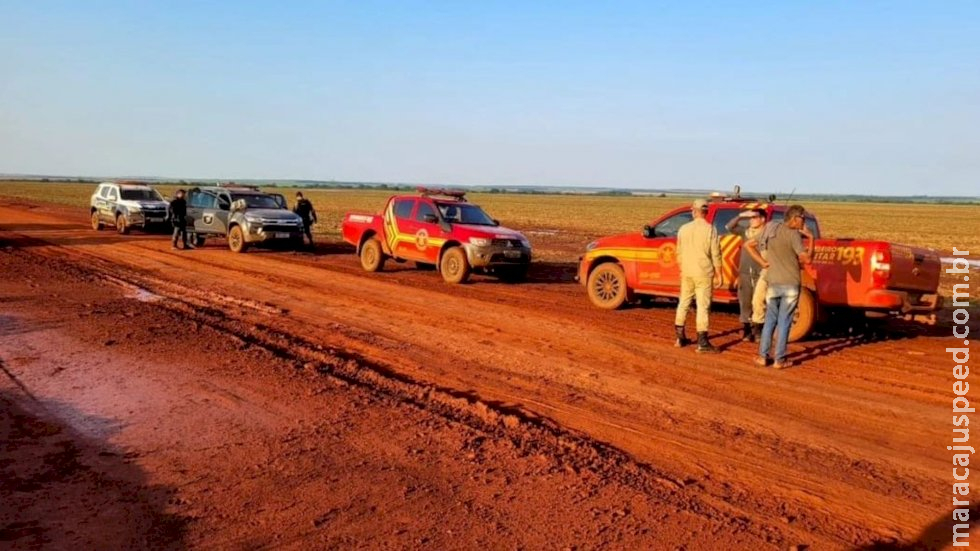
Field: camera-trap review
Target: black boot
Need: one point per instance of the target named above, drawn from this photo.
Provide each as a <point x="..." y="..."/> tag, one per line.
<point x="748" y="334"/>
<point x="704" y="346"/>
<point x="756" y="332"/>
<point x="681" y="338"/>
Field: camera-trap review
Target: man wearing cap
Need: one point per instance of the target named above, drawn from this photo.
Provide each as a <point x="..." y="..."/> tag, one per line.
<point x="751" y="303"/>
<point x="699" y="257"/>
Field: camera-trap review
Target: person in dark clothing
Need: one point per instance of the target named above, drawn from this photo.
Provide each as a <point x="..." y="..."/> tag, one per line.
<point x="177" y="212"/>
<point x="304" y="208"/>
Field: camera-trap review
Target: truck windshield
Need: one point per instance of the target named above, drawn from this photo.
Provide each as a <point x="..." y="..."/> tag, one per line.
<point x="140" y="195"/>
<point x="465" y="214"/>
<point x="254" y="201"/>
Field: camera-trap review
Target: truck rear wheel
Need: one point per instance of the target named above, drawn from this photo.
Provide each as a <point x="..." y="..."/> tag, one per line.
<point x="805" y="317"/>
<point x="121" y="226"/>
<point x="236" y="240"/>
<point x="372" y="256"/>
<point x="96" y="221"/>
<point x="607" y="286"/>
<point x="454" y="266"/>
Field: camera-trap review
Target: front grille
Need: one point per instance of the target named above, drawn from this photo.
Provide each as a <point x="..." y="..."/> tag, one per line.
<point x="509" y="243"/>
<point x="267" y="228"/>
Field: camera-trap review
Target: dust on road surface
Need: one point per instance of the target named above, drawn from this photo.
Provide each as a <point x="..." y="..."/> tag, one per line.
<point x="209" y="399"/>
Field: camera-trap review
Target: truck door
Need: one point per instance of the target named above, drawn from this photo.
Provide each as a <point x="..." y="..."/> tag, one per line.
<point x="656" y="267"/>
<point x="208" y="217"/>
<point x="429" y="235"/>
<point x="109" y="205"/>
<point x="731" y="244"/>
<point x="398" y="226"/>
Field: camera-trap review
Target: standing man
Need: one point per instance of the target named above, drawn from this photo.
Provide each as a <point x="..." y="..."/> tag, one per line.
<point x="748" y="269"/>
<point x="304" y="208"/>
<point x="785" y="255"/>
<point x="699" y="256"/>
<point x="177" y="212"/>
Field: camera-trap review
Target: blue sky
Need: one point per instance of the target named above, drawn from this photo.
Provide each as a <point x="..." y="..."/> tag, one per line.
<point x="868" y="97"/>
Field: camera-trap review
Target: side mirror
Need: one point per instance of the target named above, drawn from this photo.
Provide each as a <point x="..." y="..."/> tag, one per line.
<point x="430" y="219"/>
<point x="649" y="232"/>
<point x="445" y="226"/>
<point x="496" y="222"/>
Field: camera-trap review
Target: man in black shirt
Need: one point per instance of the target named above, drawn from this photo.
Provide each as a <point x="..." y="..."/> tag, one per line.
<point x="304" y="208"/>
<point x="177" y="212"/>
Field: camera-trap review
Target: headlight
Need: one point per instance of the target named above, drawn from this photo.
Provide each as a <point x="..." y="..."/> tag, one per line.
<point x="135" y="208"/>
<point x="525" y="242"/>
<point x="480" y="241"/>
<point x="591" y="246"/>
<point x="253" y="219"/>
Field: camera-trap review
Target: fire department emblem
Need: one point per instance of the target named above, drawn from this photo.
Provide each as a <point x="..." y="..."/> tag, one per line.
<point x="208" y="218"/>
<point x="422" y="239"/>
<point x="668" y="253"/>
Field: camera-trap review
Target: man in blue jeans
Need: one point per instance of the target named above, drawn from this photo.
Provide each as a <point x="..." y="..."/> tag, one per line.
<point x="785" y="254"/>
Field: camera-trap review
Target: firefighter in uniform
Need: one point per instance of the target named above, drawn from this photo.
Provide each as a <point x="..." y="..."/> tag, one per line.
<point x="304" y="208"/>
<point x="699" y="258"/>
<point x="749" y="273"/>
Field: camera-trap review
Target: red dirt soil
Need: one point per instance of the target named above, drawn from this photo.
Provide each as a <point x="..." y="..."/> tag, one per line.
<point x="156" y="398"/>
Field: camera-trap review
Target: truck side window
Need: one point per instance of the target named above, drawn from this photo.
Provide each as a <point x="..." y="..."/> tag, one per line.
<point x="723" y="217"/>
<point x="223" y="201"/>
<point x="670" y="226"/>
<point x="811" y="224"/>
<point x="425" y="209"/>
<point x="403" y="208"/>
<point x="104" y="192"/>
<point x="113" y="196"/>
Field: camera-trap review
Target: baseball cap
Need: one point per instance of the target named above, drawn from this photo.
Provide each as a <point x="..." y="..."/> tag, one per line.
<point x="700" y="204"/>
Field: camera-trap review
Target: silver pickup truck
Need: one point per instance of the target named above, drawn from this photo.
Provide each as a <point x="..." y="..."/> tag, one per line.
<point x="242" y="215"/>
<point x="127" y="205"/>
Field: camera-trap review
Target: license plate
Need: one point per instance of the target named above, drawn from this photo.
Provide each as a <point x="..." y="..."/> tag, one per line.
<point x="280" y="235"/>
<point x="154" y="219"/>
<point x="512" y="254"/>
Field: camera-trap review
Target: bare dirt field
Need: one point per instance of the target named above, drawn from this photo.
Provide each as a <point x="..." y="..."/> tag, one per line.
<point x="154" y="398"/>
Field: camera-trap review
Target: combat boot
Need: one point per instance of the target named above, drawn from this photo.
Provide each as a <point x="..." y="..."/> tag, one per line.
<point x="748" y="335"/>
<point x="681" y="337"/>
<point x="704" y="346"/>
<point x="756" y="332"/>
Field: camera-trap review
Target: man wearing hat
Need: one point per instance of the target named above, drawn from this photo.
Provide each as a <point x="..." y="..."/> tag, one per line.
<point x="699" y="257"/>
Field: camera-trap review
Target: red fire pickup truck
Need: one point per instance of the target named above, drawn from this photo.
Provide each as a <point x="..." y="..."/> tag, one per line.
<point x="438" y="228"/>
<point x="845" y="275"/>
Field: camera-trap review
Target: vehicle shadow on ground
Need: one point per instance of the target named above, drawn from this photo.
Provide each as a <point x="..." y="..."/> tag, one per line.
<point x="64" y="490"/>
<point x="830" y="338"/>
<point x="936" y="536"/>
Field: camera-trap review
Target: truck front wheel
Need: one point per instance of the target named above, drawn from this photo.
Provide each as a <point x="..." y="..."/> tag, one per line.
<point x="121" y="225"/>
<point x="96" y="221"/>
<point x="805" y="317"/>
<point x="372" y="256"/>
<point x="236" y="240"/>
<point x="607" y="286"/>
<point x="454" y="266"/>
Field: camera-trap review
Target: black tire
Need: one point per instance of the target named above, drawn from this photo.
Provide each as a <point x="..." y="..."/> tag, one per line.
<point x="805" y="317"/>
<point x="454" y="266"/>
<point x="236" y="240"/>
<point x="97" y="224"/>
<point x="121" y="226"/>
<point x="372" y="255"/>
<point x="607" y="286"/>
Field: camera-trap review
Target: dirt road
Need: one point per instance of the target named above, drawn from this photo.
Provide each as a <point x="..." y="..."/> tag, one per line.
<point x="307" y="389"/>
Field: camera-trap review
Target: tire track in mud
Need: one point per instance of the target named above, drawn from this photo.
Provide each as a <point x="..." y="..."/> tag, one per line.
<point x="731" y="432"/>
<point x="531" y="434"/>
